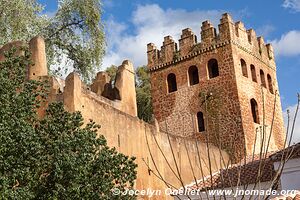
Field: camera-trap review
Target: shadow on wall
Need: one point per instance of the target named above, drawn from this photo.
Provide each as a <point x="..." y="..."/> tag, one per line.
<point x="122" y="90"/>
<point x="111" y="92"/>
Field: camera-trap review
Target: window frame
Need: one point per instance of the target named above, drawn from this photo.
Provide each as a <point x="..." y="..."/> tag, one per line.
<point x="200" y="127"/>
<point x="210" y="68"/>
<point x="171" y="83"/>
<point x="192" y="70"/>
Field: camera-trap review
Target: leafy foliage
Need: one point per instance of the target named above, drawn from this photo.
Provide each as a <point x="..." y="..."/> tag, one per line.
<point x="20" y="20"/>
<point x="143" y="94"/>
<point x="76" y="30"/>
<point x="56" y="157"/>
<point x="112" y="72"/>
<point x="74" y="33"/>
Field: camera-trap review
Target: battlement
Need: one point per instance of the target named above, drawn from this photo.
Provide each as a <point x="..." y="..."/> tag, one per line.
<point x="121" y="95"/>
<point x="229" y="32"/>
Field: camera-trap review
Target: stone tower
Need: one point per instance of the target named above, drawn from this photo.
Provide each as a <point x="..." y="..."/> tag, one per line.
<point x="36" y="45"/>
<point x="222" y="89"/>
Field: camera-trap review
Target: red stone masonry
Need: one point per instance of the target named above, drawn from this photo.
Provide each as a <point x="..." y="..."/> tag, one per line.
<point x="224" y="100"/>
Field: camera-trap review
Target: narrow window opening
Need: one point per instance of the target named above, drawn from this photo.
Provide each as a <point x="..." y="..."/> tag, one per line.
<point x="244" y="68"/>
<point x="213" y="68"/>
<point x="254" y="111"/>
<point x="193" y="75"/>
<point x="172" y="85"/>
<point x="262" y="78"/>
<point x="253" y="73"/>
<point x="200" y="121"/>
<point x="270" y="84"/>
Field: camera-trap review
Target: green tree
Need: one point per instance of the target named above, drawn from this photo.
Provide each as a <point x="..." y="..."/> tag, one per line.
<point x="20" y="20"/>
<point x="75" y="33"/>
<point x="56" y="157"/>
<point x="143" y="94"/>
<point x="112" y="72"/>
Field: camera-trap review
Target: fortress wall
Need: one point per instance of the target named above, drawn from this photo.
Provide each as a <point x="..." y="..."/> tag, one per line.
<point x="129" y="135"/>
<point x="121" y="127"/>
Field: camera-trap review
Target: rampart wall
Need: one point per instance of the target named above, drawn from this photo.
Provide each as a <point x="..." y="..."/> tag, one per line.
<point x="115" y="111"/>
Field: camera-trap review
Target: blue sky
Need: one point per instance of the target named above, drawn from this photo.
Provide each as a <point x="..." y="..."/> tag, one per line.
<point x="131" y="24"/>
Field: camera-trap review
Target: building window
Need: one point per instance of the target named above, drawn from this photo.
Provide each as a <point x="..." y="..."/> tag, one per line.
<point x="253" y="73"/>
<point x="200" y="122"/>
<point x="193" y="75"/>
<point x="213" y="68"/>
<point x="244" y="68"/>
<point x="262" y="78"/>
<point x="254" y="111"/>
<point x="172" y="85"/>
<point x="270" y="84"/>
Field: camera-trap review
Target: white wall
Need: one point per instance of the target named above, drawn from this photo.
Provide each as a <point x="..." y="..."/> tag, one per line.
<point x="290" y="178"/>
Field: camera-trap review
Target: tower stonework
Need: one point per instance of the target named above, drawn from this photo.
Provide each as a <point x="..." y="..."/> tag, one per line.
<point x="223" y="89"/>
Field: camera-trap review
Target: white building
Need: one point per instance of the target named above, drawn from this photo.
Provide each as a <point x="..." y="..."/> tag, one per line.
<point x="255" y="177"/>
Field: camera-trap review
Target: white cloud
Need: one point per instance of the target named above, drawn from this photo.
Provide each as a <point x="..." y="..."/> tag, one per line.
<point x="288" y="44"/>
<point x="150" y="23"/>
<point x="296" y="135"/>
<point x="292" y="4"/>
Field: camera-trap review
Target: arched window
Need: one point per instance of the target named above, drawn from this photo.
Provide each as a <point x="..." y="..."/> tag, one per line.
<point x="253" y="73"/>
<point x="193" y="75"/>
<point x="270" y="83"/>
<point x="172" y="85"/>
<point x="244" y="68"/>
<point x="254" y="111"/>
<point x="200" y="122"/>
<point x="213" y="68"/>
<point x="262" y="78"/>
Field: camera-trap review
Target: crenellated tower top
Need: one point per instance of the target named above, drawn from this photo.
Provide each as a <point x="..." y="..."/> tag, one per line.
<point x="212" y="89"/>
<point x="229" y="32"/>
